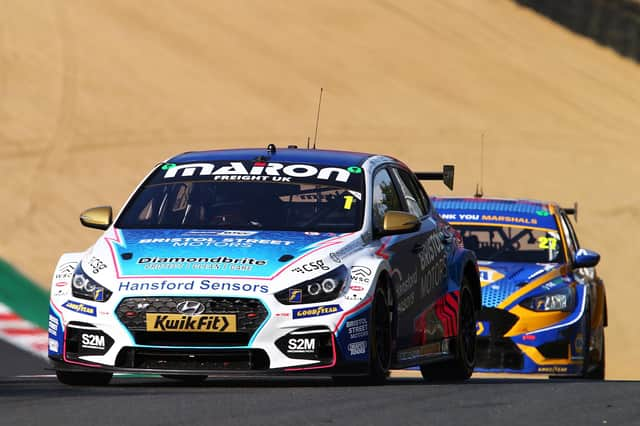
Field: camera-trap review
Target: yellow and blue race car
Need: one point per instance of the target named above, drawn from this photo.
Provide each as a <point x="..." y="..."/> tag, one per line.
<point x="543" y="305"/>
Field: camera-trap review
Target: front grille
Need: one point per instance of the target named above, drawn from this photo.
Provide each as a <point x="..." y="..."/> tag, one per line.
<point x="250" y="314"/>
<point x="498" y="354"/>
<point x="173" y="359"/>
<point x="557" y="349"/>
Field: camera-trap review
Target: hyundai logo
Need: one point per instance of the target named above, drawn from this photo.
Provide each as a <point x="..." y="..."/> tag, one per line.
<point x="189" y="307"/>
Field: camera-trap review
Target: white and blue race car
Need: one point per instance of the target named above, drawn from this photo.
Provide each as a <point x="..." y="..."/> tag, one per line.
<point x="268" y="261"/>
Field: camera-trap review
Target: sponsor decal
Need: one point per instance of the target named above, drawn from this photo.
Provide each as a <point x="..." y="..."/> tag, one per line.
<point x="92" y="341"/>
<point x="282" y="314"/>
<point x="357" y="328"/>
<point x="408" y="283"/>
<point x="60" y="291"/>
<point x="406" y="302"/>
<point x="96" y="265"/>
<point x="433" y="263"/>
<point x="554" y="369"/>
<point x="356" y="287"/>
<point x="316" y="311"/>
<point x="217" y="263"/>
<point x="361" y="274"/>
<point x="489" y="276"/>
<point x="215" y="242"/>
<point x="303" y="345"/>
<point x="206" y="284"/>
<point x="317" y="265"/>
<point x="53" y="345"/>
<point x="357" y="348"/>
<point x="295" y="295"/>
<point x="65" y="271"/>
<point x="542" y="213"/>
<point x="509" y="219"/>
<point x="54" y="322"/>
<point x="259" y="171"/>
<point x="345" y="251"/>
<point x="213" y="323"/>
<point x="80" y="308"/>
<point x="461" y="216"/>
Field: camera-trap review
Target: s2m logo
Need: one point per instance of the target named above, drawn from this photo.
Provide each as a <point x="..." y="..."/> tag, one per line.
<point x="301" y="345"/>
<point x="93" y="341"/>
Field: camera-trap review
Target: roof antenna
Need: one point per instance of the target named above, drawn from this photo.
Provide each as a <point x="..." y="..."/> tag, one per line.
<point x="308" y="141"/>
<point x="315" y="135"/>
<point x="479" y="193"/>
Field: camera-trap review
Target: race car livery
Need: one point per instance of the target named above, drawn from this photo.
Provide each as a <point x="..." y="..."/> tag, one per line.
<point x="268" y="261"/>
<point x="543" y="304"/>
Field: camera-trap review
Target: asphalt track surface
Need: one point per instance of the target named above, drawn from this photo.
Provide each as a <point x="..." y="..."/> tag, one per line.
<point x="30" y="395"/>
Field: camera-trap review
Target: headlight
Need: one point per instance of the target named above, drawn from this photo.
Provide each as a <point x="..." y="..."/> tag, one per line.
<point x="560" y="300"/>
<point x="84" y="287"/>
<point x="324" y="288"/>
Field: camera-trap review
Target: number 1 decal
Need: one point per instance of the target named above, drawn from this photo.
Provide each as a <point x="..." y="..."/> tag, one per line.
<point x="348" y="201"/>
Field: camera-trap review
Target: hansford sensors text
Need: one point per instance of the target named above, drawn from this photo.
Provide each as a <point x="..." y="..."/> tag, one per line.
<point x="193" y="285"/>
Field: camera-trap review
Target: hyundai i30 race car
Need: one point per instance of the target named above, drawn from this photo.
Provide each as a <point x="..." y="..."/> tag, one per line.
<point x="268" y="261"/>
<point x="543" y="305"/>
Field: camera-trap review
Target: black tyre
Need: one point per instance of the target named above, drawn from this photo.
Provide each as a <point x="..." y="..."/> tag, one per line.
<point x="186" y="378"/>
<point x="83" y="379"/>
<point x="461" y="367"/>
<point x="592" y="370"/>
<point x="380" y="337"/>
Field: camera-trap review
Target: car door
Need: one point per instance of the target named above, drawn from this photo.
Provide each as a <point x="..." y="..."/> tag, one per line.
<point x="431" y="261"/>
<point x="401" y="251"/>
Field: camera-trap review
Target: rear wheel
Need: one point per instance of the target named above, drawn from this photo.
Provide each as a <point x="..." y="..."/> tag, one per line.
<point x="461" y="367"/>
<point x="186" y="378"/>
<point x="379" y="344"/>
<point x="83" y="379"/>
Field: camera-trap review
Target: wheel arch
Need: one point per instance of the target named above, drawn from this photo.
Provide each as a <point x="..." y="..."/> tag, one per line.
<point x="471" y="273"/>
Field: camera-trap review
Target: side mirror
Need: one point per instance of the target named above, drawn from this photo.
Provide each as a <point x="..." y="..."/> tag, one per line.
<point x="97" y="217"/>
<point x="585" y="259"/>
<point x="399" y="223"/>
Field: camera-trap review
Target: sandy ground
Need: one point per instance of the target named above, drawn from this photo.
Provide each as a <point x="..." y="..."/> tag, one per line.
<point x="94" y="93"/>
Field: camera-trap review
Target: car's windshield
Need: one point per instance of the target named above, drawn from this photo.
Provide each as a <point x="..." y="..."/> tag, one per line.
<point x="329" y="202"/>
<point x="512" y="244"/>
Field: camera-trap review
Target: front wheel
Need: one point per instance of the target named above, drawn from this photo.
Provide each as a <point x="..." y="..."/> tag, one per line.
<point x="379" y="344"/>
<point x="73" y="378"/>
<point x="592" y="370"/>
<point x="461" y="367"/>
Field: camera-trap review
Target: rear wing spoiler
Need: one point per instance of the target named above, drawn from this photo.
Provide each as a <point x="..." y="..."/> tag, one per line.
<point x="572" y="210"/>
<point x="446" y="175"/>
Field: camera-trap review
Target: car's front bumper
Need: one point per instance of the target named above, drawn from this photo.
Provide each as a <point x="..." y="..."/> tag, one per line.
<point x="331" y="344"/>
<point x="523" y="341"/>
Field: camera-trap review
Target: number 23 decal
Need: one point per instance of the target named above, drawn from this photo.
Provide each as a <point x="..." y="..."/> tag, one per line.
<point x="547" y="243"/>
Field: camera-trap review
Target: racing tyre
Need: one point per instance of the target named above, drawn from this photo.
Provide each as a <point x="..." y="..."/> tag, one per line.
<point x="590" y="370"/>
<point x="83" y="379"/>
<point x="461" y="367"/>
<point x="186" y="378"/>
<point x="379" y="345"/>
